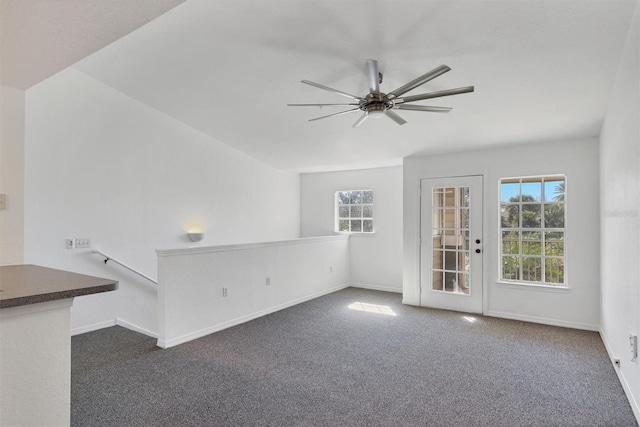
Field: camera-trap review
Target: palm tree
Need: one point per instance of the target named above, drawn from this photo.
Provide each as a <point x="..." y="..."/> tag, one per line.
<point x="559" y="192"/>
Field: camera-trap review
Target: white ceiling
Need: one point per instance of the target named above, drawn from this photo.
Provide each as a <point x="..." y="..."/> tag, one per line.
<point x="542" y="71"/>
<point x="38" y="38"/>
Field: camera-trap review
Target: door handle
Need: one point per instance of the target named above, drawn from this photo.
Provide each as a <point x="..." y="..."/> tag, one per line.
<point x="478" y="251"/>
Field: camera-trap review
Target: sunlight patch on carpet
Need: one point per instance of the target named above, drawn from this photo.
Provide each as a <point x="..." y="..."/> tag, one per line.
<point x="372" y="308"/>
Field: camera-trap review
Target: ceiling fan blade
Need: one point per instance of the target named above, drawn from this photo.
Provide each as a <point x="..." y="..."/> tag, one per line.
<point x="320" y="105"/>
<point x="336" y="91"/>
<point x="423" y="108"/>
<point x="438" y="94"/>
<point x="396" y="118"/>
<point x="372" y="74"/>
<point x="335" y="114"/>
<point x="361" y="120"/>
<point x="419" y="81"/>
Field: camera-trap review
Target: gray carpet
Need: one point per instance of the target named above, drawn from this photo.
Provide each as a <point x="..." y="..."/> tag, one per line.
<point x="323" y="364"/>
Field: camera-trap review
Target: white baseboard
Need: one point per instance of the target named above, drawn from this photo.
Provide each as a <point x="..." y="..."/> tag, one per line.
<point x="110" y="323"/>
<point x="376" y="288"/>
<point x="621" y="378"/>
<point x="544" y="320"/>
<point x="237" y="321"/>
<point x="93" y="327"/>
<point x="135" y="328"/>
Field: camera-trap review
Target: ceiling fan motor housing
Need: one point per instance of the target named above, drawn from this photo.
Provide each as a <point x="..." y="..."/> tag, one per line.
<point x="376" y="103"/>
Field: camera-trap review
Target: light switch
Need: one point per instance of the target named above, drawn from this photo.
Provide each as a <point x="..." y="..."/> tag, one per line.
<point x="3" y="202"/>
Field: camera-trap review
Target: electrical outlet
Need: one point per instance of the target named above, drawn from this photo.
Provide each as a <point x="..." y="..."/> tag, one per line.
<point x="268" y="282"/>
<point x="633" y="343"/>
<point x="616" y="362"/>
<point x="225" y="292"/>
<point x="82" y="243"/>
<point x="70" y="243"/>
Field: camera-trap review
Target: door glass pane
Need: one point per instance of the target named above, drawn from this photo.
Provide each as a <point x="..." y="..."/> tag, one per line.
<point x="438" y="258"/>
<point x="510" y="242"/>
<point x="449" y="218"/>
<point x="437" y="220"/>
<point x="437" y="280"/>
<point x="464" y="215"/>
<point x="450" y="230"/>
<point x="449" y="197"/>
<point x="450" y="281"/>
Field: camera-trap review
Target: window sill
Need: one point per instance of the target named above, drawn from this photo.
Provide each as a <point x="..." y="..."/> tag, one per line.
<point x="533" y="287"/>
<point x="354" y="233"/>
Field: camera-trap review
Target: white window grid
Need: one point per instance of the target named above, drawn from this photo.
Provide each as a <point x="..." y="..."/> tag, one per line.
<point x="542" y="230"/>
<point x="359" y="212"/>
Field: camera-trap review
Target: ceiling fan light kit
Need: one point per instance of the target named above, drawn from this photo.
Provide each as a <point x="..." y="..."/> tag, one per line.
<point x="377" y="104"/>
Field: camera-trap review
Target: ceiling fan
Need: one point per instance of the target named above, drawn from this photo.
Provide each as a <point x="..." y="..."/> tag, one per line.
<point x="377" y="104"/>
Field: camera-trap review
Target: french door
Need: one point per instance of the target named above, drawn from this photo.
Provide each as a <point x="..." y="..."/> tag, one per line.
<point x="451" y="243"/>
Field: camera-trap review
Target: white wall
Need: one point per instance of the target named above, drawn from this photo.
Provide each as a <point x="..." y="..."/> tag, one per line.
<point x="620" y="216"/>
<point x="578" y="159"/>
<point x="12" y="175"/>
<point x="376" y="259"/>
<point x="191" y="302"/>
<point x="102" y="165"/>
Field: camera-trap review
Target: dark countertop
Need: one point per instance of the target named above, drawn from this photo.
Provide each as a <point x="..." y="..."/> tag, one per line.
<point x="31" y="284"/>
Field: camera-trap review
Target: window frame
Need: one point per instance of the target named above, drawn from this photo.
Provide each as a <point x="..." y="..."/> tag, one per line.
<point x="542" y="229"/>
<point x="362" y="218"/>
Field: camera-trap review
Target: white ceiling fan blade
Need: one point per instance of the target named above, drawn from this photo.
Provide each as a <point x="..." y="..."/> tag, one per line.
<point x="372" y="74"/>
<point x="396" y="118"/>
<point x="419" y="81"/>
<point x="423" y="108"/>
<point x="447" y="92"/>
<point x="335" y="114"/>
<point x="361" y="120"/>
<point x="336" y="91"/>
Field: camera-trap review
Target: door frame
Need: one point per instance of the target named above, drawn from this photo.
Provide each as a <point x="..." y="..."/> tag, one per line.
<point x="484" y="225"/>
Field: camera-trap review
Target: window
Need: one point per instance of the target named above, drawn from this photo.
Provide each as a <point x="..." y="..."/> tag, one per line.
<point x="354" y="211"/>
<point x="532" y="230"/>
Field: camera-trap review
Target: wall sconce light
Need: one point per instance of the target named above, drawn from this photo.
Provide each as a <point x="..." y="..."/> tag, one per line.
<point x="195" y="233"/>
<point x="195" y="237"/>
